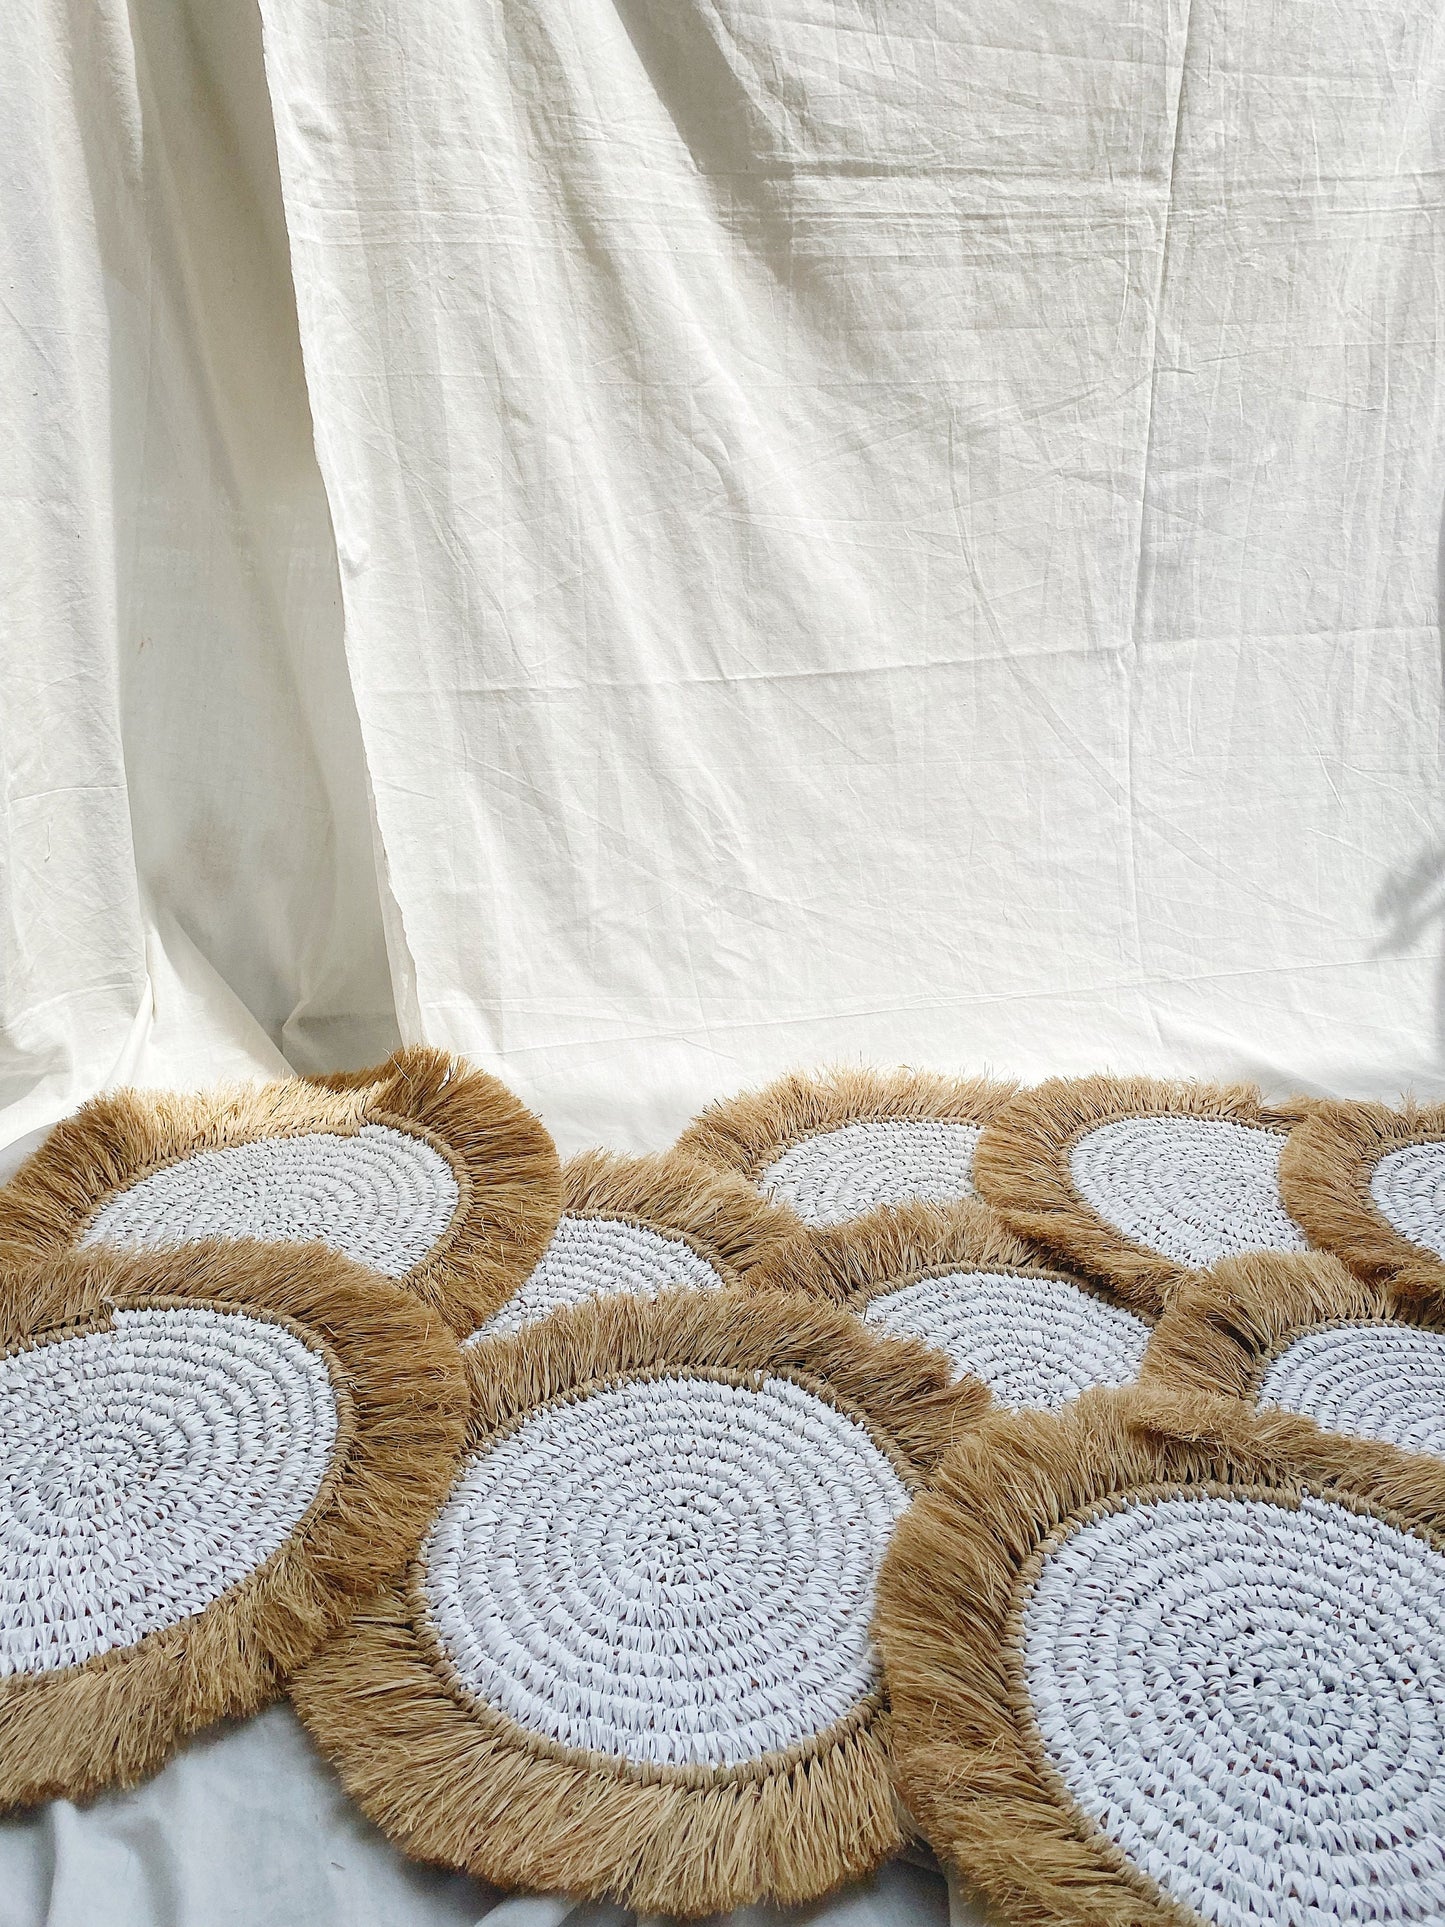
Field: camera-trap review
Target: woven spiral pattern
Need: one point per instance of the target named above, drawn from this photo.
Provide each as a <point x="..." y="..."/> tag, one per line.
<point x="1196" y="1189"/>
<point x="147" y="1469"/>
<point x="1035" y="1342"/>
<point x="379" y="1196"/>
<point x="1383" y="1382"/>
<point x="671" y="1571"/>
<point x="841" y="1174"/>
<point x="1408" y="1188"/>
<point x="593" y="1257"/>
<point x="1249" y="1700"/>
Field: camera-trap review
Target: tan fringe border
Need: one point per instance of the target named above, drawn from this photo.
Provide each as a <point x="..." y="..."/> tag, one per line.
<point x="715" y="1213"/>
<point x="1221" y="1334"/>
<point x="969" y="1760"/>
<point x="400" y="1394"/>
<point x="900" y="1245"/>
<point x="504" y="1161"/>
<point x="1021" y="1168"/>
<point x="746" y="1133"/>
<point x="1325" y="1175"/>
<point x="456" y="1782"/>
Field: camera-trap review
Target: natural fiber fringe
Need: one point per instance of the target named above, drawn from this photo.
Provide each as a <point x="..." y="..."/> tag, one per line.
<point x="1324" y="1179"/>
<point x="724" y="1221"/>
<point x="1219" y="1335"/>
<point x="397" y="1377"/>
<point x="505" y="1163"/>
<point x="458" y="1783"/>
<point x="746" y="1133"/>
<point x="460" y="1789"/>
<point x="868" y="1258"/>
<point x="969" y="1762"/>
<point x="1021" y="1168"/>
<point x="898" y="1386"/>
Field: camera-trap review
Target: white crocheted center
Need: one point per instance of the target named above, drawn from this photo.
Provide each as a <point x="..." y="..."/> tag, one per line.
<point x="1382" y="1382"/>
<point x="1249" y="1700"/>
<point x="379" y="1196"/>
<point x="1035" y="1342"/>
<point x="1196" y="1189"/>
<point x="146" y="1470"/>
<point x="594" y="1257"/>
<point x="1408" y="1187"/>
<point x="669" y="1571"/>
<point x="841" y="1174"/>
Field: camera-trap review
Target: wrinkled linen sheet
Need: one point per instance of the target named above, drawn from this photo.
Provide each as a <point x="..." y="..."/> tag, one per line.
<point x="655" y="540"/>
<point x="652" y="541"/>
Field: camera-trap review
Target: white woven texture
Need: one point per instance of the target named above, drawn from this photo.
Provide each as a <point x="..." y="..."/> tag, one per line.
<point x="378" y="1196"/>
<point x="594" y="1257"/>
<point x="1035" y="1342"/>
<point x="1250" y="1702"/>
<point x="1408" y="1187"/>
<point x="668" y="1571"/>
<point x="1373" y="1381"/>
<point x="841" y="1174"/>
<point x="146" y="1470"/>
<point x="1196" y="1189"/>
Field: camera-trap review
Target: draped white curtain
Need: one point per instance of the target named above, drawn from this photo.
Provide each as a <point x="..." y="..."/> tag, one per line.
<point x="651" y="541"/>
<point x="189" y="878"/>
<point x="897" y="531"/>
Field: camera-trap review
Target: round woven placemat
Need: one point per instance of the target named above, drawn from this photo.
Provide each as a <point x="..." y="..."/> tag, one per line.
<point x="1158" y="1662"/>
<point x="841" y="1143"/>
<point x="1368" y="1183"/>
<point x="420" y="1169"/>
<point x="953" y="1278"/>
<point x="644" y="1225"/>
<point x="1139" y="1181"/>
<point x="1304" y="1334"/>
<point x="633" y="1656"/>
<point x="207" y="1455"/>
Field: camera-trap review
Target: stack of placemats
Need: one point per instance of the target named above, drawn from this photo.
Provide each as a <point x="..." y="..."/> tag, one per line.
<point x="1051" y="1473"/>
<point x="230" y="1387"/>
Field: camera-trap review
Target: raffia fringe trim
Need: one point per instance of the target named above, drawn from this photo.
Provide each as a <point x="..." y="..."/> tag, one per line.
<point x="873" y="1257"/>
<point x="970" y="1766"/>
<point x="504" y="1161"/>
<point x="716" y="1213"/>
<point x="460" y="1784"/>
<point x="1021" y="1168"/>
<point x="1324" y="1178"/>
<point x="748" y="1132"/>
<point x="1220" y="1334"/>
<point x="400" y="1395"/>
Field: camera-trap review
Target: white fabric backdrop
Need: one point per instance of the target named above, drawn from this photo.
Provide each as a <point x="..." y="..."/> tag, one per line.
<point x="651" y="541"/>
<point x="896" y="532"/>
<point x="188" y="877"/>
<point x="898" y="529"/>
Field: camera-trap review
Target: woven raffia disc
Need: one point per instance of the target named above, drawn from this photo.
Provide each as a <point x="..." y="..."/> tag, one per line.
<point x="1156" y="1662"/>
<point x="420" y="1169"/>
<point x="841" y="1143"/>
<point x="633" y="1656"/>
<point x="645" y="1225"/>
<point x="1140" y="1182"/>
<point x="951" y="1276"/>
<point x="1368" y="1183"/>
<point x="207" y="1454"/>
<point x="1303" y="1334"/>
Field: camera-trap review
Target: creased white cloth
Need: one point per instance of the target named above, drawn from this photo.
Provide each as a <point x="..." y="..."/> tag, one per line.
<point x="896" y="532"/>
<point x="652" y="541"/>
<point x="187" y="879"/>
<point x="248" y="1828"/>
<point x="905" y="531"/>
